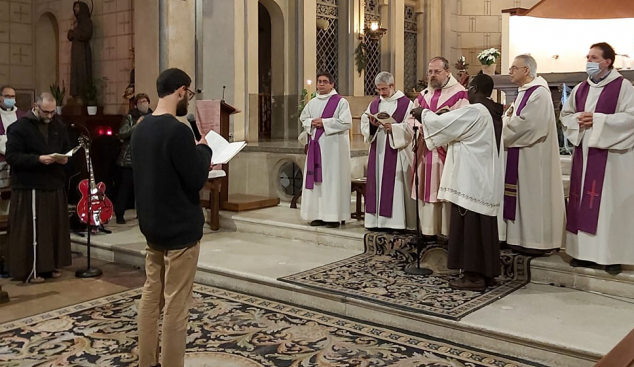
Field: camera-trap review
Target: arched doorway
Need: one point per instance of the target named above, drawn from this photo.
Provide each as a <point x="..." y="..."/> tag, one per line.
<point x="271" y="57"/>
<point x="46" y="52"/>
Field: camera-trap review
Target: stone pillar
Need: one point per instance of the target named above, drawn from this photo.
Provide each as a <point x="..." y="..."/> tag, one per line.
<point x="396" y="36"/>
<point x="146" y="47"/>
<point x="386" y="46"/>
<point x="357" y="20"/>
<point x="420" y="53"/>
<point x="309" y="42"/>
<point x="434" y="29"/>
<point x="506" y="43"/>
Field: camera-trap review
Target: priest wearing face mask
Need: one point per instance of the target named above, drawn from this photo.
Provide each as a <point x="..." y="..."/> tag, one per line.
<point x="125" y="182"/>
<point x="598" y="119"/>
<point x="9" y="113"/>
<point x="32" y="140"/>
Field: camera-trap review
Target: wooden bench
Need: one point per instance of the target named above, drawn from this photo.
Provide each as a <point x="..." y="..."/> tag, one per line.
<point x="357" y="186"/>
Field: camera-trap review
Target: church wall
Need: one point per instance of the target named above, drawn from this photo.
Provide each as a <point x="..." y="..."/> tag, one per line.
<point x="113" y="37"/>
<point x="16" y="44"/>
<point x="475" y="25"/>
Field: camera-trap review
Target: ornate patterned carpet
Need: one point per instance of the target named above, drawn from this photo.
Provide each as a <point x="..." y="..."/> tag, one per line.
<point x="231" y="330"/>
<point x="377" y="276"/>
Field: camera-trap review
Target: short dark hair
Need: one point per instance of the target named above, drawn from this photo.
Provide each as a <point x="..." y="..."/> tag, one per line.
<point x="331" y="78"/>
<point x="444" y="61"/>
<point x="608" y="52"/>
<point x="170" y="80"/>
<point x="484" y="83"/>
<point x="3" y="87"/>
<point x="141" y="96"/>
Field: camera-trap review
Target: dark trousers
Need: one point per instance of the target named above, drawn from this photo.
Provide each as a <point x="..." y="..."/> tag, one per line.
<point x="125" y="191"/>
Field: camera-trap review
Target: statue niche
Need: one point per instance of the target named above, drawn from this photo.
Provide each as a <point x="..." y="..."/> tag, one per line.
<point x="80" y="34"/>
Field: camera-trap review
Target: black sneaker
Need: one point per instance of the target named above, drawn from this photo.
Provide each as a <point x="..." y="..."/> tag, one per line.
<point x="120" y="220"/>
<point x="613" y="269"/>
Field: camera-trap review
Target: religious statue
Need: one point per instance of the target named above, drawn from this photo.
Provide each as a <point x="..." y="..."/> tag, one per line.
<point x="80" y="34"/>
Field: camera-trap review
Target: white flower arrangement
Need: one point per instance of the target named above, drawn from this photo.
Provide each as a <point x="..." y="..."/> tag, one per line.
<point x="488" y="57"/>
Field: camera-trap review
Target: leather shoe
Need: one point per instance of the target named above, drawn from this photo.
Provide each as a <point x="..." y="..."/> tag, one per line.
<point x="317" y="223"/>
<point x="613" y="269"/>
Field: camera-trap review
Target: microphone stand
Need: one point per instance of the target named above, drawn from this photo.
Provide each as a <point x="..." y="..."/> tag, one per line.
<point x="418" y="241"/>
<point x="89" y="271"/>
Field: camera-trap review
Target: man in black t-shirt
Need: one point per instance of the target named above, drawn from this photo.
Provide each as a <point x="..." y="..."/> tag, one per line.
<point x="169" y="169"/>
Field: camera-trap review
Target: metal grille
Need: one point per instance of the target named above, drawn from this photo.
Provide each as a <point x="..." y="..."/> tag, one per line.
<point x="372" y="13"/>
<point x="411" y="42"/>
<point x="328" y="39"/>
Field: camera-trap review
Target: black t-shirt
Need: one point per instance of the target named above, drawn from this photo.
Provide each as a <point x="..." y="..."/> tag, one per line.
<point x="169" y="172"/>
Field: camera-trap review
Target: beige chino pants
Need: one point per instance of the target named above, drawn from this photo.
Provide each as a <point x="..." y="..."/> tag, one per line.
<point x="168" y="287"/>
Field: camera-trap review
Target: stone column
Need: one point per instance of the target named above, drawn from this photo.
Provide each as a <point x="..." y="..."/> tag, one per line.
<point x="386" y="46"/>
<point x="309" y="42"/>
<point x="434" y="29"/>
<point x="146" y="47"/>
<point x="396" y="36"/>
<point x="420" y="53"/>
<point x="357" y="20"/>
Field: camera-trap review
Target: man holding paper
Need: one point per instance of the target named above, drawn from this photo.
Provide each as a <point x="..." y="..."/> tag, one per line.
<point x="32" y="144"/>
<point x="387" y="197"/>
<point x="326" y="192"/>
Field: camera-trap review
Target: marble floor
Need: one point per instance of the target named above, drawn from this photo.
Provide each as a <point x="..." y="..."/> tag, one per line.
<point x="31" y="299"/>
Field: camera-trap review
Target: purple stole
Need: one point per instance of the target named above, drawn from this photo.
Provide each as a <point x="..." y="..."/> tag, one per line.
<point x="389" y="165"/>
<point x="313" y="160"/>
<point x="19" y="114"/>
<point x="583" y="208"/>
<point x="442" y="153"/>
<point x="512" y="167"/>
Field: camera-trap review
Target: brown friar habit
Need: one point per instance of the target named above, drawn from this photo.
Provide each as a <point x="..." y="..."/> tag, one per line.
<point x="80" y="52"/>
<point x="28" y="138"/>
<point x="473" y="241"/>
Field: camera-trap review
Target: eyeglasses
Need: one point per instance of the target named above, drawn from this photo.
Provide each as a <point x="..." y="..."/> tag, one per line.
<point x="190" y="94"/>
<point x="47" y="113"/>
<point x="435" y="72"/>
<point x="515" y="68"/>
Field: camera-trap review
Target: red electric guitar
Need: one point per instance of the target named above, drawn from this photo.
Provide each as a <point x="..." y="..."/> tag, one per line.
<point x="100" y="206"/>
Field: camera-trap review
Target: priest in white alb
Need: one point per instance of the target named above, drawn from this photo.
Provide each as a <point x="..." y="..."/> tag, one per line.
<point x="598" y="119"/>
<point x="534" y="206"/>
<point x="326" y="192"/>
<point x="388" y="204"/>
<point x="472" y="182"/>
<point x="444" y="92"/>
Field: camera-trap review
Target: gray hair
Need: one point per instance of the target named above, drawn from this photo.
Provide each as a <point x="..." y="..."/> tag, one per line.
<point x="530" y="63"/>
<point x="384" y="77"/>
<point x="45" y="97"/>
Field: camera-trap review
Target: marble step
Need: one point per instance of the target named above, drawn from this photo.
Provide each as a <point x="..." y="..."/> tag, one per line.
<point x="555" y="270"/>
<point x="550" y="325"/>
<point x="283" y="222"/>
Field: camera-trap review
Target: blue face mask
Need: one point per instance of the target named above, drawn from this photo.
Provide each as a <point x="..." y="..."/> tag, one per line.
<point x="593" y="68"/>
<point x="9" y="102"/>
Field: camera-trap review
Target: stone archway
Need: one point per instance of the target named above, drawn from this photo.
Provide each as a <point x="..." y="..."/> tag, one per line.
<point x="47" y="52"/>
<point x="271" y="74"/>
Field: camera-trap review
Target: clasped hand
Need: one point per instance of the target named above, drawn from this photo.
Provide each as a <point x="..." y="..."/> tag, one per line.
<point x="317" y="123"/>
<point x="586" y="119"/>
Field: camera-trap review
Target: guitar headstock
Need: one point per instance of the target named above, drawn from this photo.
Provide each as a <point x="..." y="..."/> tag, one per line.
<point x="84" y="141"/>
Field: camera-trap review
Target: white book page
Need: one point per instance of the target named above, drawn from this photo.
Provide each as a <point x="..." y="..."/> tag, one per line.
<point x="67" y="154"/>
<point x="223" y="151"/>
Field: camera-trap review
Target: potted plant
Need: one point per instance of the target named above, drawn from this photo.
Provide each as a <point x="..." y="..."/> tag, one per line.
<point x="361" y="57"/>
<point x="420" y="86"/>
<point x="463" y="75"/>
<point x="487" y="58"/>
<point x="59" y="94"/>
<point x="90" y="96"/>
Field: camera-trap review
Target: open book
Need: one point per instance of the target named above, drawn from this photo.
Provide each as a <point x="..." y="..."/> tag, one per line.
<point x="223" y="151"/>
<point x="58" y="156"/>
<point x="382" y="118"/>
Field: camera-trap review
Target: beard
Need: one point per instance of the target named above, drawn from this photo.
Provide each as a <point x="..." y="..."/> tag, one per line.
<point x="181" y="108"/>
<point x="435" y="83"/>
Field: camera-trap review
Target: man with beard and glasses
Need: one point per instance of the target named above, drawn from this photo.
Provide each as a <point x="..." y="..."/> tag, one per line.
<point x="32" y="140"/>
<point x="169" y="170"/>
<point x="444" y="93"/>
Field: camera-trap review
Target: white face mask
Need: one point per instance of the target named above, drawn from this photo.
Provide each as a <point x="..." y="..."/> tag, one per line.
<point x="593" y="68"/>
<point x="143" y="107"/>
